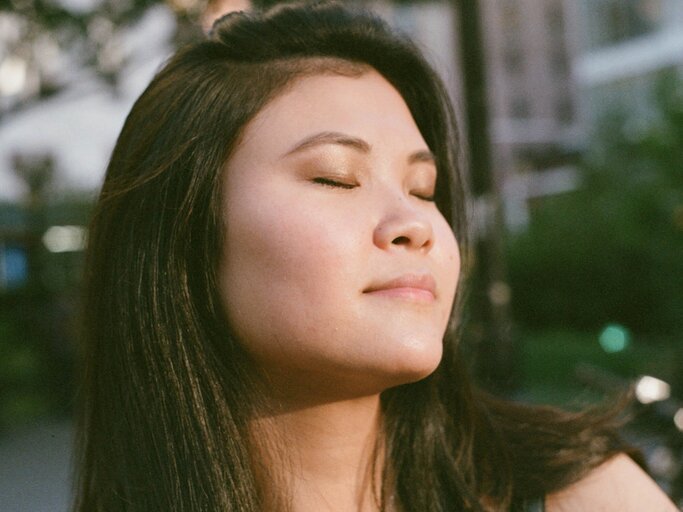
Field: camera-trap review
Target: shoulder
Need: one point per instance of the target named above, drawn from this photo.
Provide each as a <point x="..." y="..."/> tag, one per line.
<point x="618" y="485"/>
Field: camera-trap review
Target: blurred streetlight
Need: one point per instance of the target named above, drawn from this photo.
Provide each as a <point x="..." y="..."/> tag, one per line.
<point x="651" y="389"/>
<point x="64" y="238"/>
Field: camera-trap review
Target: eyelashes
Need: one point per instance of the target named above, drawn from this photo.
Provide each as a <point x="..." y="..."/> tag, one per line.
<point x="332" y="183"/>
<point x="429" y="198"/>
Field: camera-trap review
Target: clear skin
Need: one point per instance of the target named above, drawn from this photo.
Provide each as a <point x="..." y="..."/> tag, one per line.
<point x="311" y="232"/>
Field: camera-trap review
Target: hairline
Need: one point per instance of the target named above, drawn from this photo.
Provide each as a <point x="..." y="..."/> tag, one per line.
<point x="294" y="70"/>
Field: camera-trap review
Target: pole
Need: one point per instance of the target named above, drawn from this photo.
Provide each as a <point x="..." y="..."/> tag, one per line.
<point x="490" y="329"/>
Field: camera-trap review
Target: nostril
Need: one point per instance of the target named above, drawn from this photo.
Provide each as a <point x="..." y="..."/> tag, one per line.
<point x="401" y="240"/>
<point x="401" y="232"/>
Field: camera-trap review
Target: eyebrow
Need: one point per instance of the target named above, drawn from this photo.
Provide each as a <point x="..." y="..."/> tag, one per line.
<point x="342" y="139"/>
<point x="330" y="138"/>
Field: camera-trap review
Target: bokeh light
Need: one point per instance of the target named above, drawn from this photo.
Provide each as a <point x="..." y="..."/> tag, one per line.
<point x="65" y="238"/>
<point x="614" y="338"/>
<point x="13" y="72"/>
<point x="651" y="389"/>
<point x="678" y="419"/>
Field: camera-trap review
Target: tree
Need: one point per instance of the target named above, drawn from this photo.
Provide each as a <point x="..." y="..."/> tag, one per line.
<point x="46" y="46"/>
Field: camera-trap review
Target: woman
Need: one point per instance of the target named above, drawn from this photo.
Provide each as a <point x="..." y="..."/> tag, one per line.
<point x="271" y="316"/>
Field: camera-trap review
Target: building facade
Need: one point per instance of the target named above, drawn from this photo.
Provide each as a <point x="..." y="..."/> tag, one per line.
<point x="535" y="128"/>
<point x="626" y="44"/>
<point x="528" y="48"/>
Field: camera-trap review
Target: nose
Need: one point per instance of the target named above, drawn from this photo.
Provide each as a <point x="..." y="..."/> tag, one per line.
<point x="404" y="226"/>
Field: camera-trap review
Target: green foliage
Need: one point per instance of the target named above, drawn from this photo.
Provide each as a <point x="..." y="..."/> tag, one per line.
<point x="88" y="37"/>
<point x="611" y="251"/>
<point x="21" y="400"/>
<point x="550" y="360"/>
<point x="37" y="321"/>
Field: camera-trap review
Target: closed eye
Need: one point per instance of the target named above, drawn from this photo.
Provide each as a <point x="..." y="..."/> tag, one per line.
<point x="424" y="197"/>
<point x="332" y="183"/>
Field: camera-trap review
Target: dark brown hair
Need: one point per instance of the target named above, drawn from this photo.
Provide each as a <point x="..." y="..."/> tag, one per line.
<point x="168" y="392"/>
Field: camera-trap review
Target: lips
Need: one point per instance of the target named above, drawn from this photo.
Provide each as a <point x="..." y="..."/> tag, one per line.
<point x="418" y="287"/>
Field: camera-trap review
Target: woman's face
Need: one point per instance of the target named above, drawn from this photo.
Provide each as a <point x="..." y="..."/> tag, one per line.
<point x="338" y="273"/>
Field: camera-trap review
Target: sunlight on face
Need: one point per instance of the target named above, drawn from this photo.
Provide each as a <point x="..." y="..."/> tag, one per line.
<point x="339" y="272"/>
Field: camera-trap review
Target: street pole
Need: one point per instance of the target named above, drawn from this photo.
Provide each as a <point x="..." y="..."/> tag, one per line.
<point x="490" y="329"/>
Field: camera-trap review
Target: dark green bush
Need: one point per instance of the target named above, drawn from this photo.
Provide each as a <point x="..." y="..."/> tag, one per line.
<point x="611" y="251"/>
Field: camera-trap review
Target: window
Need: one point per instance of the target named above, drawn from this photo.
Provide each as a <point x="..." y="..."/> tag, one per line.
<point x="613" y="21"/>
<point x="559" y="62"/>
<point x="513" y="59"/>
<point x="520" y="108"/>
<point x="564" y="110"/>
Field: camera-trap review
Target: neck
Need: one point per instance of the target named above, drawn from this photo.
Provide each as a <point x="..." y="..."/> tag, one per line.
<point x="330" y="450"/>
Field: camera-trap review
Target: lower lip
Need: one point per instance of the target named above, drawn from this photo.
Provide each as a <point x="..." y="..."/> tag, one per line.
<point x="406" y="293"/>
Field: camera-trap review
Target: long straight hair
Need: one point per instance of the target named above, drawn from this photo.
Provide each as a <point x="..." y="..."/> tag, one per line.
<point x="168" y="393"/>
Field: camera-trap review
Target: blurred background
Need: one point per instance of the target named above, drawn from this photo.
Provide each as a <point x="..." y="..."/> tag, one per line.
<point x="572" y="109"/>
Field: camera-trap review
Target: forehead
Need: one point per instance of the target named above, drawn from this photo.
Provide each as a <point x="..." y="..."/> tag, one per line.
<point x="366" y="106"/>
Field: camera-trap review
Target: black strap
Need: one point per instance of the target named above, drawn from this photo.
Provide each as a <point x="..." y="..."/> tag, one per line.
<point x="532" y="505"/>
<point x="537" y="505"/>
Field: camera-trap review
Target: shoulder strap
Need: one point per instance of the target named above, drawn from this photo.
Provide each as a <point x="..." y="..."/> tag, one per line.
<point x="532" y="505"/>
<point x="537" y="505"/>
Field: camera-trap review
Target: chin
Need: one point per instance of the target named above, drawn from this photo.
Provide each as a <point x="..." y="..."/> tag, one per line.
<point x="416" y="361"/>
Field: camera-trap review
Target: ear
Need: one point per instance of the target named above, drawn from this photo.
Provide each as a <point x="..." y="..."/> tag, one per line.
<point x="618" y="485"/>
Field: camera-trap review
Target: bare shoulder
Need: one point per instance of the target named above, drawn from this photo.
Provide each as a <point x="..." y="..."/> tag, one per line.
<point x="618" y="485"/>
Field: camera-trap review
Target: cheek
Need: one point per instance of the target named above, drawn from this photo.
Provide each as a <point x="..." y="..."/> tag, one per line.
<point x="448" y="257"/>
<point x="282" y="271"/>
<point x="282" y="245"/>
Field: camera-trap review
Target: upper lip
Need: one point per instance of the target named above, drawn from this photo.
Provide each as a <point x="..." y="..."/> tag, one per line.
<point x="419" y="281"/>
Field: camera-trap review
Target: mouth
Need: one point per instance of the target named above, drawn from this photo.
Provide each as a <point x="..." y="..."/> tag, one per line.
<point x="413" y="287"/>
